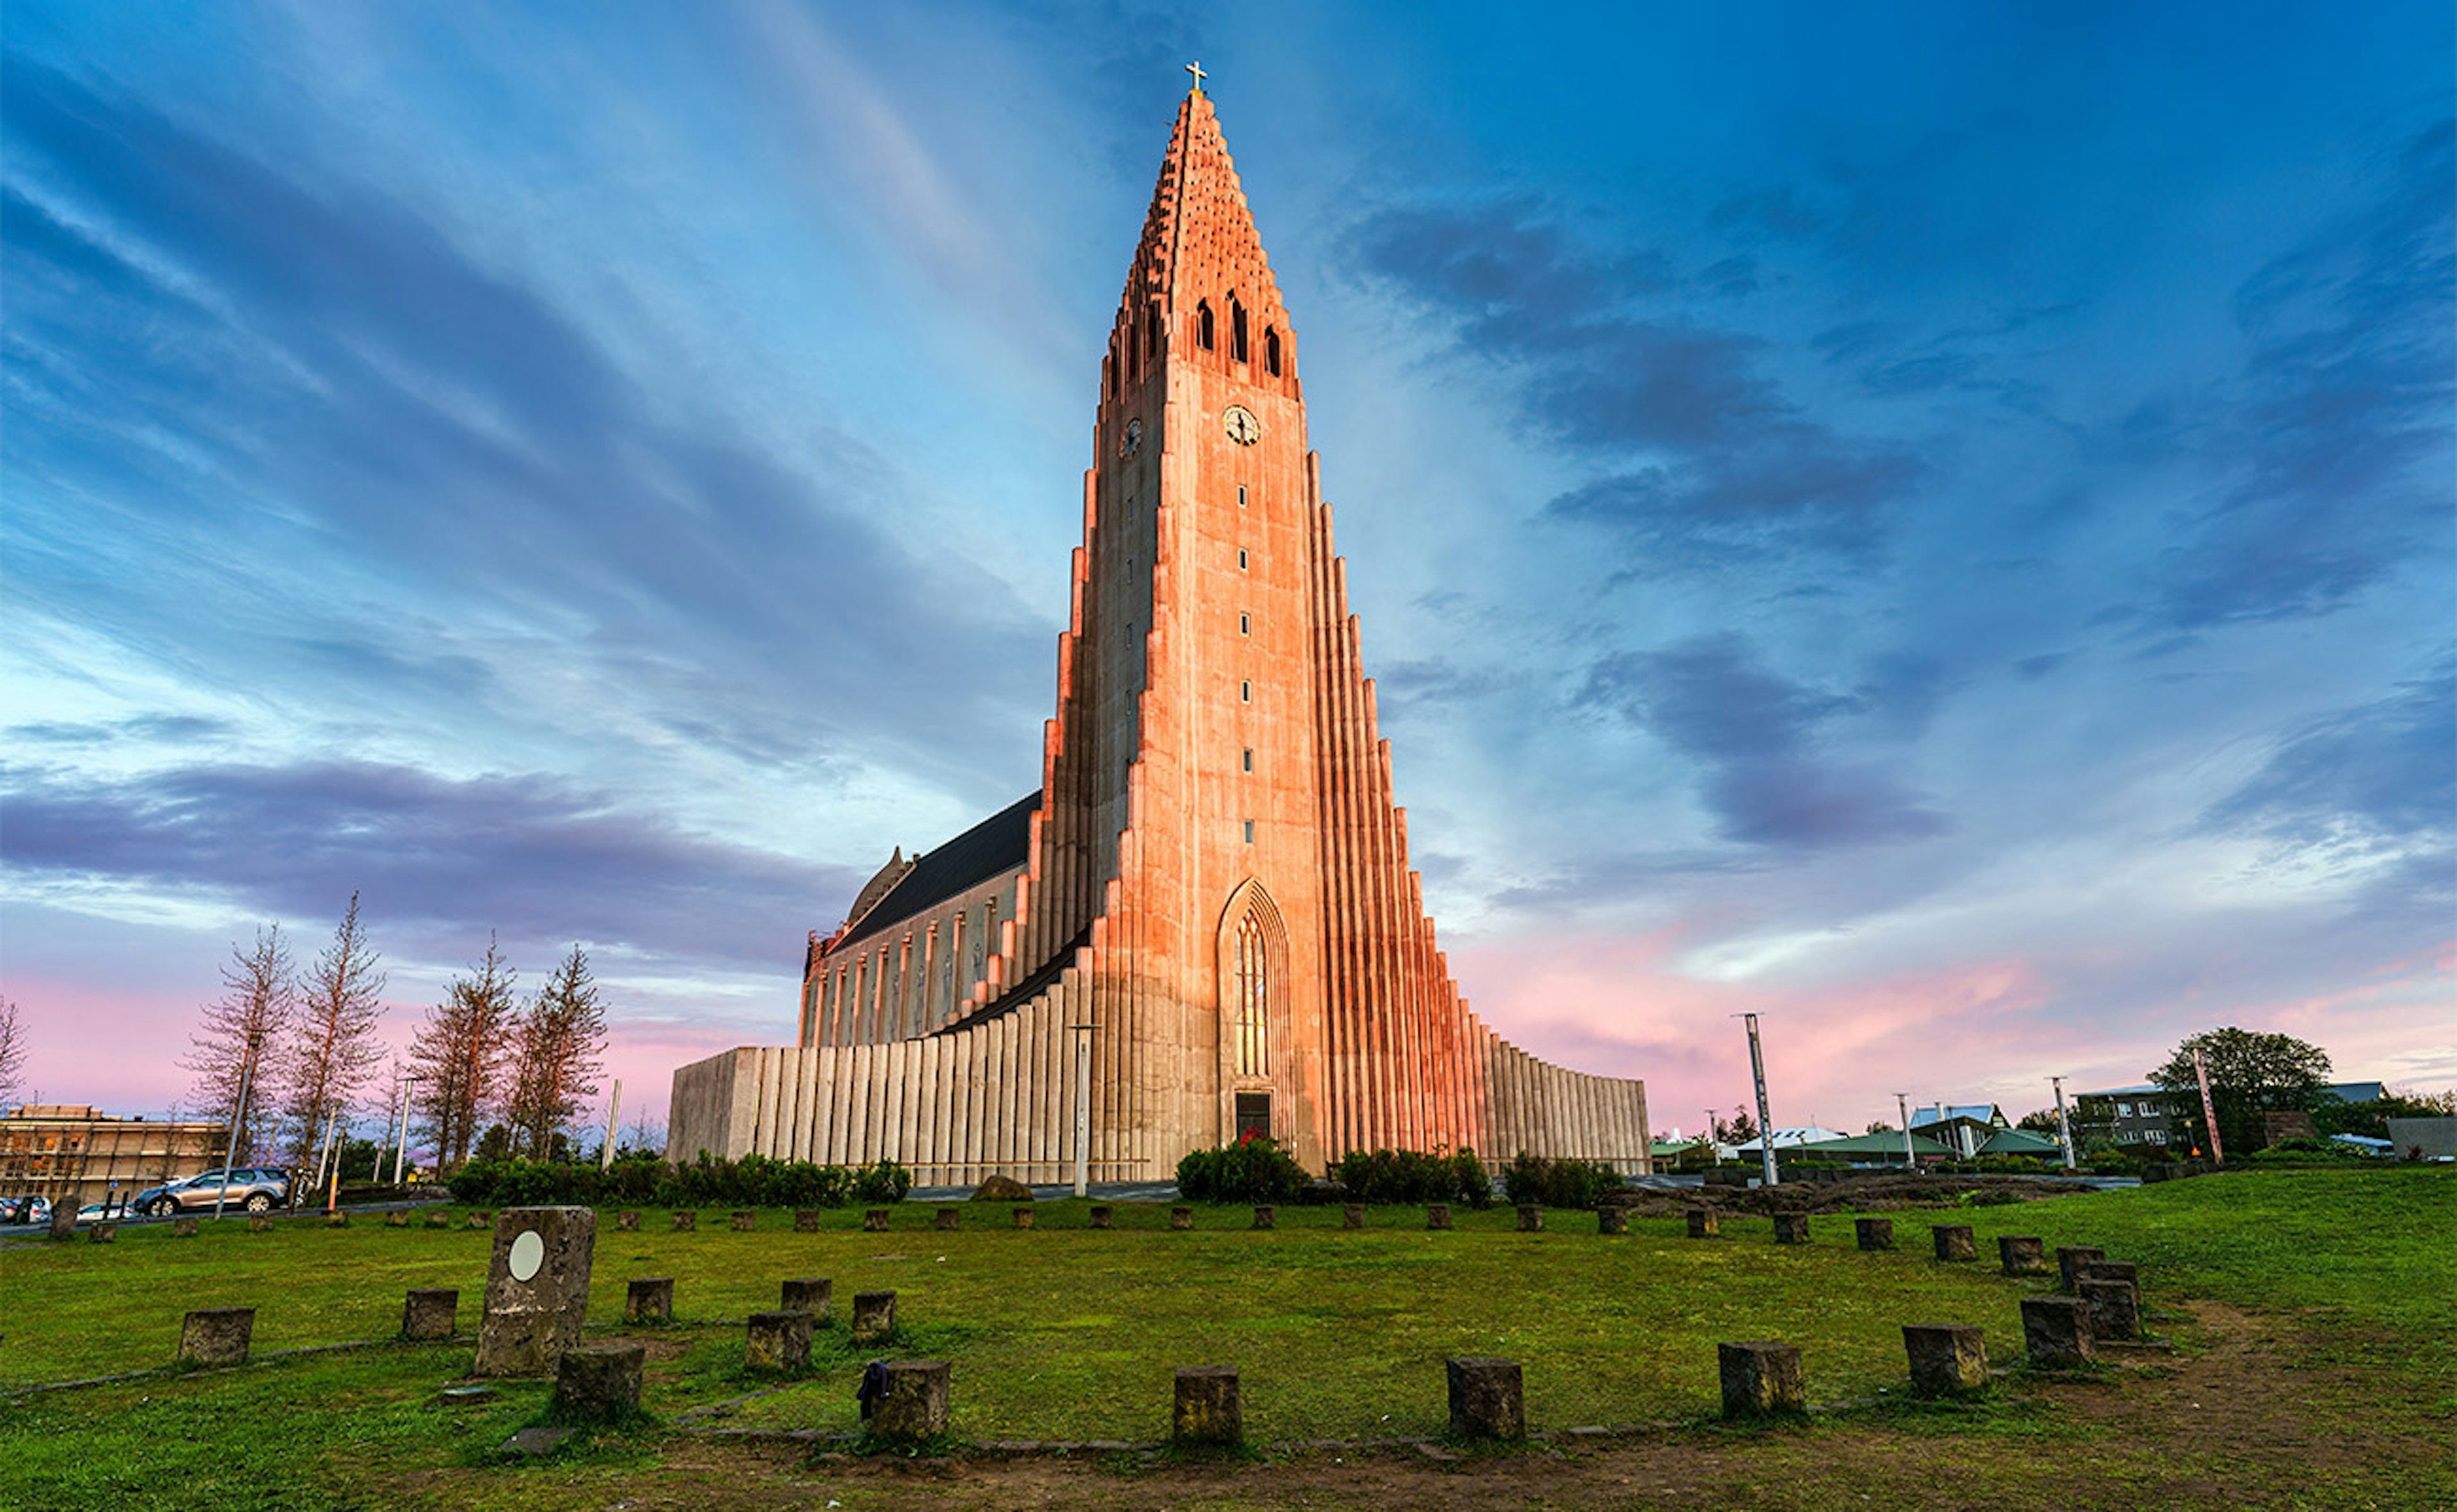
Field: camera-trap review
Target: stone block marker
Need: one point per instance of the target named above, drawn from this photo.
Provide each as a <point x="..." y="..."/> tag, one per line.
<point x="397" y="1220"/>
<point x="64" y="1219"/>
<point x="874" y="1317"/>
<point x="1947" y="1359"/>
<point x="1181" y="1218"/>
<point x="1437" y="1215"/>
<point x="537" y="1289"/>
<point x="2055" y="1332"/>
<point x="806" y="1220"/>
<point x="950" y="1217"/>
<point x="686" y="1222"/>
<point x="1791" y="1228"/>
<point x="1612" y="1220"/>
<point x="183" y="1227"/>
<point x="1206" y="1413"/>
<point x="1762" y="1379"/>
<point x="430" y="1312"/>
<point x="874" y="1220"/>
<point x="2114" y="1308"/>
<point x="1351" y="1217"/>
<point x="627" y="1222"/>
<point x="2071" y="1258"/>
<point x="915" y="1400"/>
<point x="599" y="1382"/>
<point x="102" y="1233"/>
<point x="2112" y="1271"/>
<point x="1023" y="1217"/>
<point x="1873" y="1233"/>
<point x="439" y="1220"/>
<point x="815" y="1294"/>
<point x="215" y="1336"/>
<point x="2021" y="1253"/>
<point x="649" y="1299"/>
<point x="1531" y="1218"/>
<point x="1955" y="1241"/>
<point x="779" y="1341"/>
<point x="1101" y="1217"/>
<point x="337" y="1219"/>
<point x="260" y="1224"/>
<point x="1267" y="1216"/>
<point x="480" y="1220"/>
<point x="1487" y="1400"/>
<point x="745" y="1220"/>
<point x="1701" y="1224"/>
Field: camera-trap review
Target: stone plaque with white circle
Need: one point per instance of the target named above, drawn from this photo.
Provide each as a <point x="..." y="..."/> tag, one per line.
<point x="537" y="1289"/>
<point x="529" y="1252"/>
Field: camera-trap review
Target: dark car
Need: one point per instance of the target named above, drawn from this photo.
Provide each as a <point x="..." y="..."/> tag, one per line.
<point x="253" y="1188"/>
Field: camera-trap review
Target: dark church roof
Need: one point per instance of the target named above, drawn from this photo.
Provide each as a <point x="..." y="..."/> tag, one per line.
<point x="996" y="846"/>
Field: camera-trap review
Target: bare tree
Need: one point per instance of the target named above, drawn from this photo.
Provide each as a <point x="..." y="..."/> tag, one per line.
<point x="336" y="1048"/>
<point x="458" y="1054"/>
<point x="254" y="1015"/>
<point x="13" y="1051"/>
<point x="556" y="1059"/>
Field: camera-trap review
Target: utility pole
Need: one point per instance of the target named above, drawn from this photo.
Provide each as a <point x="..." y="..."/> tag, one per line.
<point x="2064" y="1128"/>
<point x="614" y="1107"/>
<point x="1765" y="1117"/>
<point x="1903" y="1111"/>
<point x="238" y="1120"/>
<point x="2209" y="1108"/>
<point x="400" y="1156"/>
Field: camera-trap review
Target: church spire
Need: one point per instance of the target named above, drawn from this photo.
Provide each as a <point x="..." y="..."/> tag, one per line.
<point x="1201" y="286"/>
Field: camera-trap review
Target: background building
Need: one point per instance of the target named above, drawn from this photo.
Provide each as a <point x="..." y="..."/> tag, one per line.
<point x="67" y="1151"/>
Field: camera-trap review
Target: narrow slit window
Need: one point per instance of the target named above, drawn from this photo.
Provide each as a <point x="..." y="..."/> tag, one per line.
<point x="1245" y="623"/>
<point x="1237" y="332"/>
<point x="1151" y="331"/>
<point x="1253" y="992"/>
<point x="1246" y="758"/>
<point x="1203" y="326"/>
<point x="1272" y="351"/>
<point x="1241" y="496"/>
<point x="1249" y="832"/>
<point x="1241" y="559"/>
<point x="1245" y="693"/>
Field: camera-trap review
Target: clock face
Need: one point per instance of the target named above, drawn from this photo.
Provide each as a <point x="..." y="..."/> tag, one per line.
<point x="1133" y="441"/>
<point x="1240" y="424"/>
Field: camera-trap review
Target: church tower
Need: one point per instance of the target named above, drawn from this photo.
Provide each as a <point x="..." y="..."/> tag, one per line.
<point x="1209" y="897"/>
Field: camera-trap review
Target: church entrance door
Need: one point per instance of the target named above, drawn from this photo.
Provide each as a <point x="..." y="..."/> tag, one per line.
<point x="1253" y="1116"/>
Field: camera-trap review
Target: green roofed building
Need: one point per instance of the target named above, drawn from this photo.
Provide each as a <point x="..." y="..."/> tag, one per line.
<point x="1870" y="1148"/>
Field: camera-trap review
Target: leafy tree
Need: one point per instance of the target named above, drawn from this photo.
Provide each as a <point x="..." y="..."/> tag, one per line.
<point x="2330" y="1116"/>
<point x="2250" y="1074"/>
<point x="335" y="1049"/>
<point x="458" y="1054"/>
<point x="2038" y="1121"/>
<point x="556" y="1057"/>
<point x="257" y="1008"/>
<point x="13" y="1051"/>
<point x="1738" y="1130"/>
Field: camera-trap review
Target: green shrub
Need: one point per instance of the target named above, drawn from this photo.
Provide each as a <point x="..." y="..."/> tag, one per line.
<point x="755" y="1181"/>
<point x="1413" y="1176"/>
<point x="1532" y="1179"/>
<point x="1249" y="1171"/>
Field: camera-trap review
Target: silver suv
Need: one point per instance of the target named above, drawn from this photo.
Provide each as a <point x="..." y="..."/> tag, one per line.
<point x="256" y="1188"/>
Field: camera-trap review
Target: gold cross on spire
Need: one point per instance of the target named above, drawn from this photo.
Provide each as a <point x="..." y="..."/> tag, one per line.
<point x="1196" y="69"/>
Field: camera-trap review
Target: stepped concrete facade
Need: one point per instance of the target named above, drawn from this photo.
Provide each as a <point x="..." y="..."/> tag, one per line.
<point x="1204" y="924"/>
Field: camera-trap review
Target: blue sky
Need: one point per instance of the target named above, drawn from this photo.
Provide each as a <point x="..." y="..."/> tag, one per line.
<point x="1932" y="524"/>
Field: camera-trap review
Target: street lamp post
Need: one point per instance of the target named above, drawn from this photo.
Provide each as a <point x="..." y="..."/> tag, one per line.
<point x="1765" y="1116"/>
<point x="2064" y="1128"/>
<point x="1902" y="1111"/>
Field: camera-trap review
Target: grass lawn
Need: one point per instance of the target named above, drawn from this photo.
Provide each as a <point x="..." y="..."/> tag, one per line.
<point x="1062" y="1332"/>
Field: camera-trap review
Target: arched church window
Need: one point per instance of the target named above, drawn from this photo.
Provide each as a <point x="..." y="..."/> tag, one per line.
<point x="1237" y="332"/>
<point x="1203" y="326"/>
<point x="1151" y="330"/>
<point x="1253" y="997"/>
<point x="1272" y="351"/>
